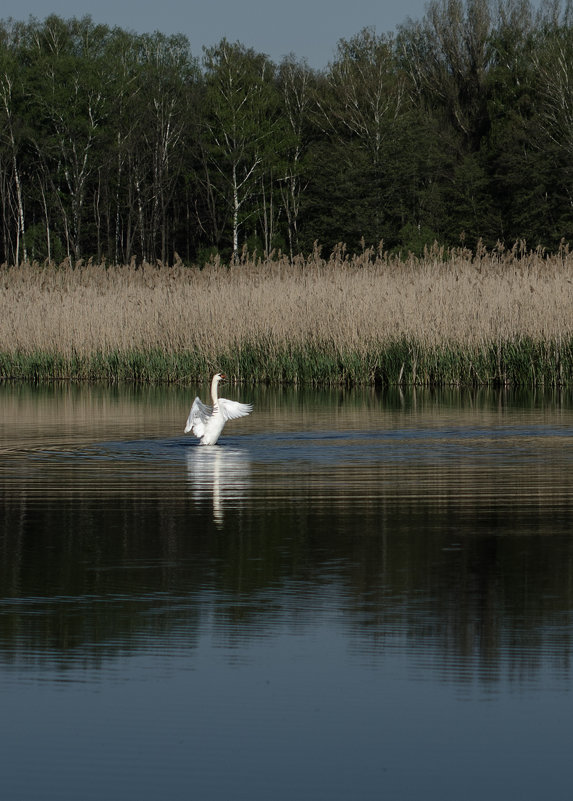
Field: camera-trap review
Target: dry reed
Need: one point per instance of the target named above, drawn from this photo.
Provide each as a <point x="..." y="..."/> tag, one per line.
<point x="345" y="309"/>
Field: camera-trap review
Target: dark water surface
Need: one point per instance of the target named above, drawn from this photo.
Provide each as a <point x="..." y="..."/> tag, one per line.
<point x="356" y="595"/>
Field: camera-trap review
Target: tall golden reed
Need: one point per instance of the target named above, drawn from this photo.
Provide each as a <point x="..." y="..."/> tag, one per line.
<point x="347" y="304"/>
<point x="350" y="302"/>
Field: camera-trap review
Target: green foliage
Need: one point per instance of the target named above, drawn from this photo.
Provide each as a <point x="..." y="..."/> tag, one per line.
<point x="416" y="239"/>
<point x="517" y="362"/>
<point x="122" y="146"/>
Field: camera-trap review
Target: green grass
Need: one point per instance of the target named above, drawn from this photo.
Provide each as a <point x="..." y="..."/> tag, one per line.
<point x="516" y="362"/>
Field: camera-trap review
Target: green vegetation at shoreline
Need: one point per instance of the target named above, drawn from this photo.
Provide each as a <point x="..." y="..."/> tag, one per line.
<point x="521" y="362"/>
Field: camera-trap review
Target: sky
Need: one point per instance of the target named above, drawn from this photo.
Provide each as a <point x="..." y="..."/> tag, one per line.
<point x="308" y="28"/>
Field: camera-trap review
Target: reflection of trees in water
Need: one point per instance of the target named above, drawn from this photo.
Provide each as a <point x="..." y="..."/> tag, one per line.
<point x="473" y="588"/>
<point x="469" y="606"/>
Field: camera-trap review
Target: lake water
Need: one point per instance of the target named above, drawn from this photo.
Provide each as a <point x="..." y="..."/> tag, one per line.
<point x="355" y="595"/>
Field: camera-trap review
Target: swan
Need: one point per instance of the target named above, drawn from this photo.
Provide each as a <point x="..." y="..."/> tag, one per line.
<point x="207" y="422"/>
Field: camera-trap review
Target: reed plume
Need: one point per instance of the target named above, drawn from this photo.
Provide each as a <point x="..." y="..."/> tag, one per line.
<point x="451" y="317"/>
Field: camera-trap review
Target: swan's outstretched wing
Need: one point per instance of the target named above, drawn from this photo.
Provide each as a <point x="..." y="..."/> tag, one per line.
<point x="198" y="416"/>
<point x="230" y="410"/>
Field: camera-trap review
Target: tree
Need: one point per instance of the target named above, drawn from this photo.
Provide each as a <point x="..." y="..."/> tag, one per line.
<point x="447" y="56"/>
<point x="238" y="124"/>
<point x="166" y="71"/>
<point x="363" y="102"/>
<point x="515" y="172"/>
<point x="553" y="63"/>
<point x="69" y="94"/>
<point x="296" y="86"/>
<point x="119" y="146"/>
<point x="11" y="100"/>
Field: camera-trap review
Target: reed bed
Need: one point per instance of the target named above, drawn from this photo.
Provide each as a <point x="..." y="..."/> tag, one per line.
<point x="454" y="317"/>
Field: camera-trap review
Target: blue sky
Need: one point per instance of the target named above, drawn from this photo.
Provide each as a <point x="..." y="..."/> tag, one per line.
<point x="308" y="28"/>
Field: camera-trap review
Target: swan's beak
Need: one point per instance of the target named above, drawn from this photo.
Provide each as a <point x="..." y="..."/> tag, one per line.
<point x="223" y="376"/>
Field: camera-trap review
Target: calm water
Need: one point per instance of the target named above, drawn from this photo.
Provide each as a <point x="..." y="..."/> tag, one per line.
<point x="355" y="596"/>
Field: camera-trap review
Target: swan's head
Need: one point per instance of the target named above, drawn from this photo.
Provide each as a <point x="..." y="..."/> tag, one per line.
<point x="217" y="378"/>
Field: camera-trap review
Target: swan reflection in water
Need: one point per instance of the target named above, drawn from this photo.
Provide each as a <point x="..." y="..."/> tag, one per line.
<point x="222" y="474"/>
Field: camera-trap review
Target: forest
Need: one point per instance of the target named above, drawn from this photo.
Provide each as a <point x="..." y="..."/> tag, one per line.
<point x="127" y="148"/>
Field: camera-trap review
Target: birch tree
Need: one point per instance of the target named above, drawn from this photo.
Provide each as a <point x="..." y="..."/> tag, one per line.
<point x="366" y="91"/>
<point x="9" y="137"/>
<point x="70" y="96"/>
<point x="237" y="127"/>
<point x="295" y="81"/>
<point x="554" y="67"/>
<point x="167" y="75"/>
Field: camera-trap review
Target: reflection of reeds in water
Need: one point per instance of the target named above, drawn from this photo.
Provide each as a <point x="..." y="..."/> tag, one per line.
<point x="446" y="318"/>
<point x="69" y="412"/>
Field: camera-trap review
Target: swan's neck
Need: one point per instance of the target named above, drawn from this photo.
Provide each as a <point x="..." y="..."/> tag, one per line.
<point x="214" y="395"/>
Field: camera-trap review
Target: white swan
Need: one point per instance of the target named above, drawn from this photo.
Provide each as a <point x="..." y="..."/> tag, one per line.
<point x="207" y="422"/>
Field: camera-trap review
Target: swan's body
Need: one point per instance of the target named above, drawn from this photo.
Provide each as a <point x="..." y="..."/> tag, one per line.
<point x="207" y="422"/>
